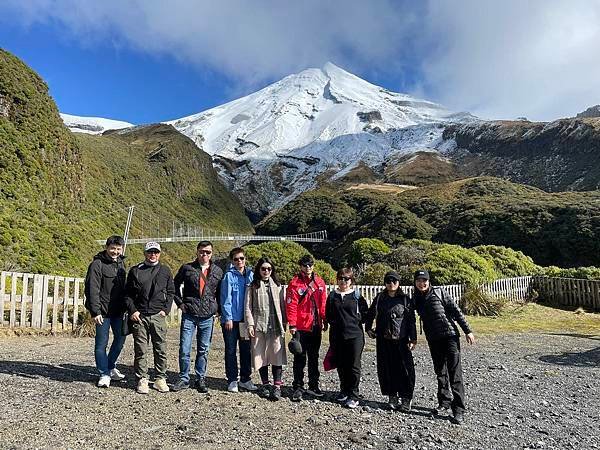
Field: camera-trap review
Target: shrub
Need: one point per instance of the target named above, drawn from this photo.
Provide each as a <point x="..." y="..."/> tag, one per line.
<point x="476" y="302"/>
<point x="373" y="274"/>
<point x="507" y="262"/>
<point x="285" y="256"/>
<point x="450" y="264"/>
<point x="367" y="250"/>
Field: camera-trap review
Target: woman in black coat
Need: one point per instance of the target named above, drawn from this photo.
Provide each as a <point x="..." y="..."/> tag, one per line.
<point x="396" y="336"/>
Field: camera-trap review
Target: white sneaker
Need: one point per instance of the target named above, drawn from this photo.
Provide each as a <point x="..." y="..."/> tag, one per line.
<point x="142" y="387"/>
<point x="104" y="381"/>
<point x="248" y="386"/>
<point x="115" y="375"/>
<point x="351" y="403"/>
<point x="232" y="387"/>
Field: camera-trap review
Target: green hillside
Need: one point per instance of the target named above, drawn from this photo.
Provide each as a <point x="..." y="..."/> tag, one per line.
<point x="60" y="191"/>
<point x="559" y="228"/>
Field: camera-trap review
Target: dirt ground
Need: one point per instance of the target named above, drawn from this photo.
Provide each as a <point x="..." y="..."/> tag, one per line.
<point x="524" y="391"/>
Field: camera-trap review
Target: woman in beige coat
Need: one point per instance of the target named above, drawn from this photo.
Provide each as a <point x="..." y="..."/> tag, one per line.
<point x="265" y="318"/>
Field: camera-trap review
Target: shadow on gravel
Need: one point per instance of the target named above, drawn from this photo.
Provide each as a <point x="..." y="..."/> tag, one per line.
<point x="589" y="358"/>
<point x="57" y="372"/>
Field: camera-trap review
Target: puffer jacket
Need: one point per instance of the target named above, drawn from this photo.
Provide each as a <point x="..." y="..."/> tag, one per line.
<point x="205" y="305"/>
<point x="438" y="312"/>
<point x="105" y="286"/>
<point x="233" y="293"/>
<point x="394" y="317"/>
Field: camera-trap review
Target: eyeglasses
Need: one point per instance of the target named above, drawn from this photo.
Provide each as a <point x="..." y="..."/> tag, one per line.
<point x="391" y="281"/>
<point x="204" y="252"/>
<point x="153" y="251"/>
<point x="307" y="265"/>
<point x="239" y="258"/>
<point x="344" y="279"/>
<point x="266" y="269"/>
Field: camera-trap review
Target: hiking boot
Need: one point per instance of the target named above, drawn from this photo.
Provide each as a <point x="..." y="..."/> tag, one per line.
<point x="232" y="387"/>
<point x="406" y="405"/>
<point x="180" y="386"/>
<point x="297" y="395"/>
<point x="247" y="386"/>
<point x="142" y="387"/>
<point x="458" y="417"/>
<point x="393" y="402"/>
<point x="341" y="397"/>
<point x="161" y="385"/>
<point x="104" y="381"/>
<point x="316" y="392"/>
<point x="441" y="410"/>
<point x="351" y="403"/>
<point x="276" y="394"/>
<point x="115" y="375"/>
<point x="265" y="391"/>
<point x="201" y="386"/>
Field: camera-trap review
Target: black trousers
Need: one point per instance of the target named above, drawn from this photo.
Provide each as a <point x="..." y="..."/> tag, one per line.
<point x="348" y="353"/>
<point x="445" y="354"/>
<point x="395" y="367"/>
<point x="311" y="343"/>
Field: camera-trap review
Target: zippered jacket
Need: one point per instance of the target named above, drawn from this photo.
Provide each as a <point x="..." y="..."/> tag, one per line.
<point x="303" y="296"/>
<point x="105" y="286"/>
<point x="149" y="289"/>
<point x="233" y="293"/>
<point x="200" y="305"/>
<point x="439" y="314"/>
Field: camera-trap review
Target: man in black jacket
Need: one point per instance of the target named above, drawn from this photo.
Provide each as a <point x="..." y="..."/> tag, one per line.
<point x="199" y="303"/>
<point x="149" y="297"/>
<point x="104" y="290"/>
<point x="438" y="312"/>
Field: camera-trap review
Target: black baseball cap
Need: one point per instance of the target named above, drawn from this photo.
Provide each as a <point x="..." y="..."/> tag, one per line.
<point x="421" y="274"/>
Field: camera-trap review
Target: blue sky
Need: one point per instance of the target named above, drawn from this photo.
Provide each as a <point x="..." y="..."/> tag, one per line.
<point x="148" y="61"/>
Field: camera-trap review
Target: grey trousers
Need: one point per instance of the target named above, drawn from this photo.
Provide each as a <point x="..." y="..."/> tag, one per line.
<point x="150" y="328"/>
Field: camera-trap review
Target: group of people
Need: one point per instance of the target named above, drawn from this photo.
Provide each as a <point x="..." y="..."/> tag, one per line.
<point x="256" y="311"/>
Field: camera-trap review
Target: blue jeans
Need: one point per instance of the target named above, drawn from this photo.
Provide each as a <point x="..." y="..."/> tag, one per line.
<point x="232" y="340"/>
<point x="105" y="363"/>
<point x="204" y="330"/>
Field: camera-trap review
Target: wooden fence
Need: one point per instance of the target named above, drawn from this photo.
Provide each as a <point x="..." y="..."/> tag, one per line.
<point x="570" y="292"/>
<point x="57" y="303"/>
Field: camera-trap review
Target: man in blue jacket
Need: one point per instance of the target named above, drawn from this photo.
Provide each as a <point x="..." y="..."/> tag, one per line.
<point x="233" y="293"/>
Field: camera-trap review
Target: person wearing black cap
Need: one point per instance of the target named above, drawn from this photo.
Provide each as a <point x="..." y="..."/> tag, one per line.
<point x="305" y="307"/>
<point x="439" y="313"/>
<point x="396" y="336"/>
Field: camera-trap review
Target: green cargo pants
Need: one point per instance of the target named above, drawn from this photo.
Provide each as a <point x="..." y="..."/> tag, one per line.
<point x="150" y="328"/>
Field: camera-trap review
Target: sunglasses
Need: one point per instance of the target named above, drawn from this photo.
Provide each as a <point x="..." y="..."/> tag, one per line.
<point x="266" y="269"/>
<point x="391" y="281"/>
<point x="204" y="252"/>
<point x="344" y="279"/>
<point x="153" y="251"/>
<point x="307" y="265"/>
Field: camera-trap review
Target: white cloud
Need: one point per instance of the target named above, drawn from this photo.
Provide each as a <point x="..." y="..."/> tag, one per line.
<point x="246" y="40"/>
<point x="497" y="59"/>
<point x="537" y="59"/>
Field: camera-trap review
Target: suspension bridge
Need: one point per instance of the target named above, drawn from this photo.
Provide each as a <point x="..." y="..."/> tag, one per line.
<point x="191" y="233"/>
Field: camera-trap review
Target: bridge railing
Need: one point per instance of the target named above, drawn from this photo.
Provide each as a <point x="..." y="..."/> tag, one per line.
<point x="57" y="303"/>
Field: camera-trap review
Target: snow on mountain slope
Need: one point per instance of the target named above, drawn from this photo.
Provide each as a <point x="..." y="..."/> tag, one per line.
<point x="92" y="125"/>
<point x="271" y="145"/>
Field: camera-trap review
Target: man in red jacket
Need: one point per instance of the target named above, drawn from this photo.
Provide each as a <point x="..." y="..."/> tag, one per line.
<point x="305" y="306"/>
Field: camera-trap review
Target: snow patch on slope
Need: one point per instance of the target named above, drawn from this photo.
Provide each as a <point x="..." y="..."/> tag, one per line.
<point x="92" y="125"/>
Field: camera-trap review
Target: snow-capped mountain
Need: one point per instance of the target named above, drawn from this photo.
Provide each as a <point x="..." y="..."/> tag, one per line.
<point x="92" y="125"/>
<point x="271" y="145"/>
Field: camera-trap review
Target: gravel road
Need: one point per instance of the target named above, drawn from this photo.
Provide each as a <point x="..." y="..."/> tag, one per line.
<point x="523" y="391"/>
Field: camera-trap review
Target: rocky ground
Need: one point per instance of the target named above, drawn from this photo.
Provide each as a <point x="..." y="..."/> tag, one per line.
<point x="524" y="391"/>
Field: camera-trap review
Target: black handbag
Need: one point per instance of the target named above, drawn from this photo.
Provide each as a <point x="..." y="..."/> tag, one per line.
<point x="126" y="324"/>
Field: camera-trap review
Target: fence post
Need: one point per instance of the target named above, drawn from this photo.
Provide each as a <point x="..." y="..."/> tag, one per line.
<point x="12" y="316"/>
<point x="2" y="289"/>
<point x="55" y="302"/>
<point x="65" y="318"/>
<point x="24" y="297"/>
<point x="75" y="303"/>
